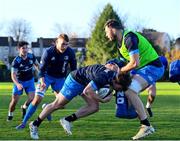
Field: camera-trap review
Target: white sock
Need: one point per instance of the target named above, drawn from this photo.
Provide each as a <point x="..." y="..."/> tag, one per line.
<point x="24" y="106"/>
<point x="10" y="114"/>
<point x="148" y="105"/>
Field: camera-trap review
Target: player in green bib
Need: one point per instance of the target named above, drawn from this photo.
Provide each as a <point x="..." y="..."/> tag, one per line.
<point x="143" y="60"/>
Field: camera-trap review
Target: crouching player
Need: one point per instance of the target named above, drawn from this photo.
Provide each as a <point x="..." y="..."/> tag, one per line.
<point x="84" y="81"/>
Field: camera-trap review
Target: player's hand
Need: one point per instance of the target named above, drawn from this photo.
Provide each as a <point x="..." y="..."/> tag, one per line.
<point x="107" y="99"/>
<point x="19" y="86"/>
<point x="113" y="67"/>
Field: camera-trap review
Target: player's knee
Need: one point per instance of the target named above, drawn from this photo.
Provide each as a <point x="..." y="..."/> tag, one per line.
<point x="57" y="104"/>
<point x="37" y="100"/>
<point x="30" y="99"/>
<point x="14" y="101"/>
<point x="129" y="93"/>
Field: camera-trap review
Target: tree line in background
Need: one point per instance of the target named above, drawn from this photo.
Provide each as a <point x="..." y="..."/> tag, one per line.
<point x="98" y="48"/>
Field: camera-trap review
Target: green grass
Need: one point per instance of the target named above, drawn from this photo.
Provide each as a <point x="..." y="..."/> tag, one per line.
<point x="100" y="126"/>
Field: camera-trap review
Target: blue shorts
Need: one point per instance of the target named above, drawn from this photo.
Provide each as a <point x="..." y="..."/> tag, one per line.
<point x="71" y="88"/>
<point x="56" y="84"/>
<point x="28" y="86"/>
<point x="150" y="73"/>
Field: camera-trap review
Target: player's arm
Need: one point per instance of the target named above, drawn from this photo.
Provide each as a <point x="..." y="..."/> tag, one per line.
<point x="14" y="78"/>
<point x="43" y="65"/>
<point x="131" y="43"/>
<point x="90" y="90"/>
<point x="73" y="61"/>
<point x="37" y="65"/>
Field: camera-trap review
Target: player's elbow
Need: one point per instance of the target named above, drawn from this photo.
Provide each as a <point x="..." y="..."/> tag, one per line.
<point x="135" y="64"/>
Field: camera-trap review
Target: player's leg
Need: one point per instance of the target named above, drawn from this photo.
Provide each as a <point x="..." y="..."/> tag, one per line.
<point x="56" y="85"/>
<point x="70" y="89"/>
<point x="138" y="83"/>
<point x="14" y="100"/>
<point x="58" y="103"/>
<point x="150" y="99"/>
<point x="30" y="91"/>
<point x="12" y="105"/>
<point x="30" y="96"/>
<point x="91" y="107"/>
<point x="39" y="94"/>
<point x="145" y="77"/>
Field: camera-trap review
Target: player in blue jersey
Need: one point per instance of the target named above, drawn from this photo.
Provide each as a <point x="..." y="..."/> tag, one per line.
<point x="84" y="82"/>
<point x="22" y="76"/>
<point x="53" y="70"/>
<point x="174" y="67"/>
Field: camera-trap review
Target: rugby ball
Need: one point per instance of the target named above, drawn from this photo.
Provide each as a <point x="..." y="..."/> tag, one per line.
<point x="104" y="91"/>
<point x="44" y="105"/>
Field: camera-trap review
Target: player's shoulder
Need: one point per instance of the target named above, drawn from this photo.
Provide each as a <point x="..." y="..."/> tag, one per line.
<point x="17" y="59"/>
<point x="30" y="55"/>
<point x="130" y="35"/>
<point x="70" y="50"/>
<point x="50" y="51"/>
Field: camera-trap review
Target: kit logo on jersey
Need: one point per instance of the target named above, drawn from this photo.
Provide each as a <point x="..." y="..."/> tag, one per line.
<point x="30" y="61"/>
<point x="106" y="70"/>
<point x="66" y="57"/>
<point x="26" y="67"/>
<point x="53" y="58"/>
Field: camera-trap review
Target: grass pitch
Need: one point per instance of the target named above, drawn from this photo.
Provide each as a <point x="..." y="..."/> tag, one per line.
<point x="100" y="126"/>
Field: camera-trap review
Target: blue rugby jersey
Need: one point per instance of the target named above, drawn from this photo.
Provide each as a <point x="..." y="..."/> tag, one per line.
<point x="97" y="73"/>
<point x="55" y="64"/>
<point x="24" y="67"/>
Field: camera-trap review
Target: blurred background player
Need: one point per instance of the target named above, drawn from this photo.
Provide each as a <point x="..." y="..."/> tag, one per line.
<point x="22" y="77"/>
<point x="174" y="67"/>
<point x="54" y="65"/>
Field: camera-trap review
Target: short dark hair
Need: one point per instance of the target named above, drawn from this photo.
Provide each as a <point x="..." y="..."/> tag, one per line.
<point x="177" y="41"/>
<point x="124" y="79"/>
<point x="63" y="36"/>
<point x="114" y="24"/>
<point x="22" y="43"/>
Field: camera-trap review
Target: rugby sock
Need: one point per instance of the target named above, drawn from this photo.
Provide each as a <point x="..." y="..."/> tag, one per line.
<point x="24" y="106"/>
<point x="148" y="105"/>
<point x="71" y="118"/>
<point x="145" y="122"/>
<point x="37" y="122"/>
<point x="30" y="111"/>
<point x="10" y="114"/>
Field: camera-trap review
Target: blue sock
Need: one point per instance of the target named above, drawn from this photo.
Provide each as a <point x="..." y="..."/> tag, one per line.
<point x="30" y="111"/>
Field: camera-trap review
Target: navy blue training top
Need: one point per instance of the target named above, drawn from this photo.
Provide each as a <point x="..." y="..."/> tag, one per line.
<point x="23" y="67"/>
<point x="55" y="63"/>
<point x="99" y="74"/>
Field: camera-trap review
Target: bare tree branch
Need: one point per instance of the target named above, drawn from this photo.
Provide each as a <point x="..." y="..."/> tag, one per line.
<point x="19" y="29"/>
<point x="64" y="28"/>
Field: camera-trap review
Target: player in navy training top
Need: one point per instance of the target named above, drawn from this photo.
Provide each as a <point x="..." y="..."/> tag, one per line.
<point x="53" y="70"/>
<point x="22" y="76"/>
<point x="84" y="81"/>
